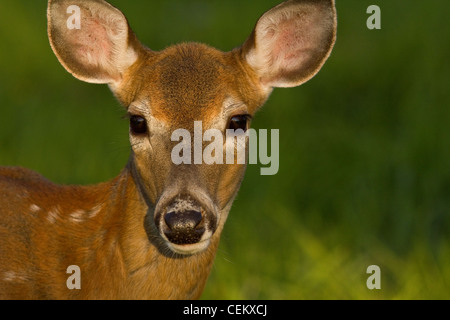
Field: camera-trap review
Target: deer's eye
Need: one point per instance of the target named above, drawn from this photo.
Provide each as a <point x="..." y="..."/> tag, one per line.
<point x="239" y="122"/>
<point x="138" y="125"/>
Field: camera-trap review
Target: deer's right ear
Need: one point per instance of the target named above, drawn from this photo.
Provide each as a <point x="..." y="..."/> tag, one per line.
<point x="92" y="39"/>
<point x="291" y="42"/>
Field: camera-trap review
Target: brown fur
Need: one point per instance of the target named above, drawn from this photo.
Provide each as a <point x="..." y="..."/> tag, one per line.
<point x="112" y="230"/>
<point x="112" y="249"/>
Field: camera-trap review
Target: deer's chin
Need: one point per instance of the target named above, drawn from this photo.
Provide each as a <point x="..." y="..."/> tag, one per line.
<point x="189" y="249"/>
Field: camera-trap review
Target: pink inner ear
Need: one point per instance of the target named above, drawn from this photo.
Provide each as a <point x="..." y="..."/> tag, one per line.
<point x="293" y="43"/>
<point x="92" y="43"/>
<point x="287" y="44"/>
<point x="98" y="52"/>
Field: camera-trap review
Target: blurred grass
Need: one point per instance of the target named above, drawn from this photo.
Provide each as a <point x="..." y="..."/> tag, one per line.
<point x="364" y="147"/>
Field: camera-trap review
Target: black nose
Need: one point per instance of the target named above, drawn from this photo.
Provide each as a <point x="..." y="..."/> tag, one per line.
<point x="184" y="227"/>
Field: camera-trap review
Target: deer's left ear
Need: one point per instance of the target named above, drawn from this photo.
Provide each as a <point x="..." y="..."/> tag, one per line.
<point x="100" y="47"/>
<point x="291" y="42"/>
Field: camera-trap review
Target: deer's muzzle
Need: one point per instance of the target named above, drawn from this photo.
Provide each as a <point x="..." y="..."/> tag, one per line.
<point x="185" y="224"/>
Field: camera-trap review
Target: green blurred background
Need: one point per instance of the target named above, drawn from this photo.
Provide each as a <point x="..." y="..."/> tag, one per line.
<point x="364" y="146"/>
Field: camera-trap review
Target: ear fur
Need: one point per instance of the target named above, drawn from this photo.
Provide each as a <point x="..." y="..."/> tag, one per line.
<point x="101" y="49"/>
<point x="291" y="42"/>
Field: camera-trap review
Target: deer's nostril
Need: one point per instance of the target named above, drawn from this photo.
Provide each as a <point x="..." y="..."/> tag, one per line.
<point x="183" y="220"/>
<point x="184" y="227"/>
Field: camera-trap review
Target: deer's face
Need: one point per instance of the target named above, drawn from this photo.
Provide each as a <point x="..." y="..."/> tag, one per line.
<point x="194" y="88"/>
<point x="185" y="85"/>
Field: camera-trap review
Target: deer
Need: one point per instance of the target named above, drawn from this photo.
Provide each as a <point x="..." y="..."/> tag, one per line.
<point x="153" y="231"/>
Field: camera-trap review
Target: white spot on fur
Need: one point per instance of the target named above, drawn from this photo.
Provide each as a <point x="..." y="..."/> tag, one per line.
<point x="53" y="215"/>
<point x="94" y="211"/>
<point x="77" y="216"/>
<point x="11" y="276"/>
<point x="34" y="208"/>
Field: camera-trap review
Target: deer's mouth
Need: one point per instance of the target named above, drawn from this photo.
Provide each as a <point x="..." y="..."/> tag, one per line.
<point x="189" y="249"/>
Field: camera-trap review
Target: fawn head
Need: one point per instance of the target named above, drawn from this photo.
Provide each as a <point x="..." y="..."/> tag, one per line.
<point x="170" y="89"/>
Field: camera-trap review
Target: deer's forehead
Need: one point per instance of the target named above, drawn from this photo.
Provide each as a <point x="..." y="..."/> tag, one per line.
<point x="188" y="82"/>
